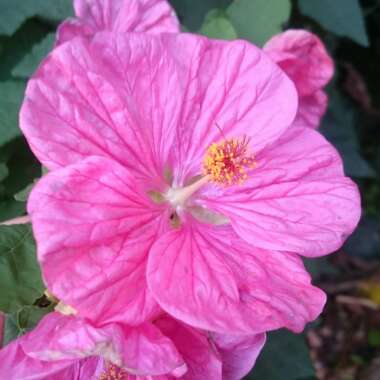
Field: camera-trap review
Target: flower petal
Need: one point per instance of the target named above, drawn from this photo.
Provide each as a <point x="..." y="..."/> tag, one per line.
<point x="149" y="101"/>
<point x="15" y="364"/>
<point x="311" y="110"/>
<point x="238" y="353"/>
<point x="208" y="277"/>
<point x="201" y="358"/>
<point x="142" y="350"/>
<point x="94" y="227"/>
<point x="297" y="199"/>
<point x="303" y="57"/>
<point x="148" y="16"/>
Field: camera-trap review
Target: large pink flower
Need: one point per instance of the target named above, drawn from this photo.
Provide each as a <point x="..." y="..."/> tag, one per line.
<point x="63" y="347"/>
<point x="147" y="138"/>
<point x="149" y="16"/>
<point x="304" y="58"/>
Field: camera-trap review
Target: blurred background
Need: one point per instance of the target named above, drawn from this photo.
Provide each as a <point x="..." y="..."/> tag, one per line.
<point x="344" y="344"/>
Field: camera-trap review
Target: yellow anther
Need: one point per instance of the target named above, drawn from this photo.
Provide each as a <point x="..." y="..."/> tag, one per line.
<point x="227" y="162"/>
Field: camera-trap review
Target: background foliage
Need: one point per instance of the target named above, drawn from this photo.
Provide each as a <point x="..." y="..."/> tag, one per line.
<point x="351" y="30"/>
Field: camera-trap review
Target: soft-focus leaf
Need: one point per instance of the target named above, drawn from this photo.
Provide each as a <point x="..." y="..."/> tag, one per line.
<point x="13" y="13"/>
<point x="342" y="17"/>
<point x="192" y="12"/>
<point x="20" y="277"/>
<point x="29" y="316"/>
<point x="11" y="330"/>
<point x="218" y="25"/>
<point x="30" y="62"/>
<point x="11" y="94"/>
<point x="339" y="128"/>
<point x="23" y="195"/>
<point x="10" y="208"/>
<point x="3" y="171"/>
<point x="365" y="242"/>
<point x="285" y="356"/>
<point x="258" y="20"/>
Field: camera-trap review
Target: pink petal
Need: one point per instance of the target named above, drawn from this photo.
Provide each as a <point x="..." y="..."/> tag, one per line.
<point x="201" y="358"/>
<point x="16" y="365"/>
<point x="143" y="350"/>
<point x="297" y="199"/>
<point x="304" y="58"/>
<point x="209" y="278"/>
<point x="311" y="110"/>
<point x="94" y="227"/>
<point x="239" y="353"/>
<point x="149" y="101"/>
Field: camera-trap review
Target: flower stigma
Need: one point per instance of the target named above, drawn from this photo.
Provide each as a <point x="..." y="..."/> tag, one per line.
<point x="226" y="163"/>
<point x="112" y="372"/>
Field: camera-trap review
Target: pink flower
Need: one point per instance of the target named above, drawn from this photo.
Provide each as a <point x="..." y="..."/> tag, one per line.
<point x="147" y="138"/>
<point x="304" y="59"/>
<point x="63" y="347"/>
<point x="149" y="16"/>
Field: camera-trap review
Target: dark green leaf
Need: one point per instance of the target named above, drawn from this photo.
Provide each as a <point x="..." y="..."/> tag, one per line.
<point x="11" y="95"/>
<point x="10" y="208"/>
<point x="11" y="330"/>
<point x="30" y="62"/>
<point x="258" y="20"/>
<point x="20" y="277"/>
<point x="342" y="17"/>
<point x="285" y="356"/>
<point x="192" y="12"/>
<point x="218" y="25"/>
<point x="14" y="13"/>
<point x="22" y="196"/>
<point x="3" y="171"/>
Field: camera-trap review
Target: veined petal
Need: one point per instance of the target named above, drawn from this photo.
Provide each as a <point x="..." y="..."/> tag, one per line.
<point x="15" y="364"/>
<point x="196" y="274"/>
<point x="141" y="350"/>
<point x="94" y="227"/>
<point x="303" y="57"/>
<point x="238" y="353"/>
<point x="297" y="199"/>
<point x="152" y="101"/>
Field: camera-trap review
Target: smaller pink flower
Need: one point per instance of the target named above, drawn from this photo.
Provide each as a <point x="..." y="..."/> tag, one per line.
<point x="66" y="347"/>
<point x="149" y="16"/>
<point x="304" y="58"/>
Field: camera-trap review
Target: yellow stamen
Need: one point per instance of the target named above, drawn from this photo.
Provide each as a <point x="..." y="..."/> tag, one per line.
<point x="112" y="372"/>
<point x="227" y="162"/>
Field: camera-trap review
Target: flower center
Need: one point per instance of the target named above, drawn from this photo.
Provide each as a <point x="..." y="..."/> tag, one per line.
<point x="226" y="163"/>
<point x="112" y="372"/>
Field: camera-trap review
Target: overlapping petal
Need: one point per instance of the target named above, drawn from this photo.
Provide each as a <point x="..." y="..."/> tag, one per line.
<point x="196" y="275"/>
<point x="302" y="55"/>
<point x="148" y="16"/>
<point x="94" y="227"/>
<point x="297" y="199"/>
<point x="149" y="101"/>
<point x="142" y="350"/>
<point x="238" y="353"/>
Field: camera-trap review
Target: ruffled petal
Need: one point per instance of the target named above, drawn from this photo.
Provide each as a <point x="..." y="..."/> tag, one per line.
<point x="311" y="110"/>
<point x="238" y="353"/>
<point x="297" y="199"/>
<point x="201" y="357"/>
<point x="15" y="364"/>
<point x="303" y="57"/>
<point x="209" y="278"/>
<point x="94" y="227"/>
<point x="150" y="102"/>
<point x="142" y="350"/>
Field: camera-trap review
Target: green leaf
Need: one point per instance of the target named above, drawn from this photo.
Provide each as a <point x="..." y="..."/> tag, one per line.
<point x="11" y="330"/>
<point x="3" y="171"/>
<point x="10" y="208"/>
<point x="26" y="67"/>
<point x="20" y="277"/>
<point x="11" y="95"/>
<point x="14" y="13"/>
<point x="22" y="196"/>
<point x="342" y="17"/>
<point x="285" y="356"/>
<point x="192" y="12"/>
<point x="338" y="127"/>
<point x="258" y="20"/>
<point x="218" y="25"/>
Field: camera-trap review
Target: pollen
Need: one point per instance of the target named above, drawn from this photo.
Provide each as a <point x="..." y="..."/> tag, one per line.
<point x="112" y="372"/>
<point x="229" y="161"/>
